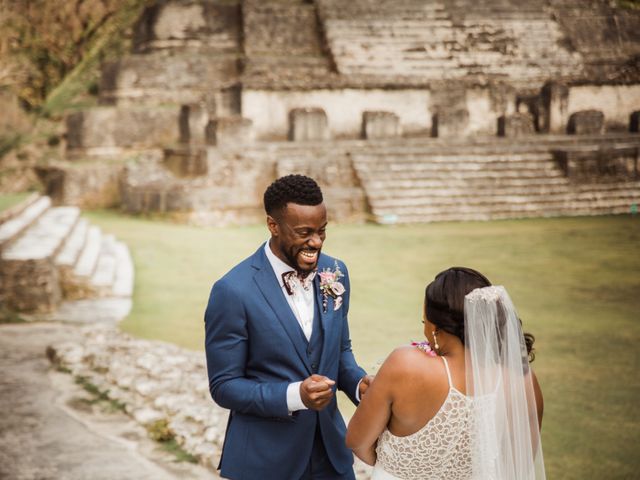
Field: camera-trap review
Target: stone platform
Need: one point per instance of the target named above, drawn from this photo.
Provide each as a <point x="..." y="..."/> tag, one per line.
<point x="52" y="260"/>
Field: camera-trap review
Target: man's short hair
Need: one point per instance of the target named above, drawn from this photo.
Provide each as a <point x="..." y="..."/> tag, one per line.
<point x="291" y="189"/>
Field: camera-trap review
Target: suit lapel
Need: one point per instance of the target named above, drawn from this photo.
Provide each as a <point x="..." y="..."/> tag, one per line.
<point x="266" y="280"/>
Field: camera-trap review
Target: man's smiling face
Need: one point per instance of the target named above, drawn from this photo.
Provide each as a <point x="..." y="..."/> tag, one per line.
<point x="297" y="235"/>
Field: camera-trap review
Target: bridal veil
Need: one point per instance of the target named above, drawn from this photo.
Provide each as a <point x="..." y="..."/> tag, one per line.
<point x="505" y="438"/>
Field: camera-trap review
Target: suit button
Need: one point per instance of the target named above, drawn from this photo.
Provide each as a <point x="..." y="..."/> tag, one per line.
<point x="309" y="352"/>
<point x="314" y="366"/>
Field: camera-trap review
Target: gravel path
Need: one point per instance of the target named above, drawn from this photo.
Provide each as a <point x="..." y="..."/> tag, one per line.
<point x="49" y="430"/>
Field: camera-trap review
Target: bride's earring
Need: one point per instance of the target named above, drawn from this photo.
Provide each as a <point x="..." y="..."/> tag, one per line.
<point x="435" y="341"/>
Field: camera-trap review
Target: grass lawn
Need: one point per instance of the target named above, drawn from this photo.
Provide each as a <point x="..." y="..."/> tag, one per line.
<point x="8" y="200"/>
<point x="575" y="282"/>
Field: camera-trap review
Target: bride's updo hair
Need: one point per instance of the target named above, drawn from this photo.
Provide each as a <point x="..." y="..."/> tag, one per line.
<point x="444" y="300"/>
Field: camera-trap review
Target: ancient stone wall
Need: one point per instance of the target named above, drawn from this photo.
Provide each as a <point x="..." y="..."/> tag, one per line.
<point x="269" y="110"/>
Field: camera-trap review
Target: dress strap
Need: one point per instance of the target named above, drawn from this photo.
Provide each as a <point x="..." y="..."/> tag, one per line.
<point x="446" y="366"/>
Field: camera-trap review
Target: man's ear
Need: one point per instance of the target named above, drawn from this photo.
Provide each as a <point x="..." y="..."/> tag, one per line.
<point x="272" y="225"/>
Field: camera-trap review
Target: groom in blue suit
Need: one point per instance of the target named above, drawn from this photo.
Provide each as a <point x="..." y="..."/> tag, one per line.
<point x="277" y="345"/>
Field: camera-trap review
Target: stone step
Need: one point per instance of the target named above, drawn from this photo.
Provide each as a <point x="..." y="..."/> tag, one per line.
<point x="73" y="246"/>
<point x="88" y="259"/>
<point x="462" y="212"/>
<point x="457" y="199"/>
<point x="11" y="229"/>
<point x="105" y="272"/>
<point x="498" y="215"/>
<point x="45" y="237"/>
<point x="123" y="284"/>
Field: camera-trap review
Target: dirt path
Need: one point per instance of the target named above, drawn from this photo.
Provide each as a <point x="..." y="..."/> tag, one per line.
<point x="49" y="429"/>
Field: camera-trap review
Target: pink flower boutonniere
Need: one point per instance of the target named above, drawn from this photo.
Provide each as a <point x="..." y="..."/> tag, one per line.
<point x="330" y="286"/>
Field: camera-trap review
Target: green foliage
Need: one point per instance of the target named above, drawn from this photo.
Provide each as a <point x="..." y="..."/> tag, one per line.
<point x="100" y="397"/>
<point x="160" y="431"/>
<point x="52" y="49"/>
<point x="574" y="281"/>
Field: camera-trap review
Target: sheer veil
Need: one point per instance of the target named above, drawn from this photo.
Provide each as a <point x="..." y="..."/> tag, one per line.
<point x="505" y="439"/>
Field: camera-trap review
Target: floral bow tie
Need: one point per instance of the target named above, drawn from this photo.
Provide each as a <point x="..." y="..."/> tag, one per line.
<point x="291" y="279"/>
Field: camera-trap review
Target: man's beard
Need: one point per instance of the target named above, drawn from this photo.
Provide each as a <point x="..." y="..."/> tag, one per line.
<point x="292" y="260"/>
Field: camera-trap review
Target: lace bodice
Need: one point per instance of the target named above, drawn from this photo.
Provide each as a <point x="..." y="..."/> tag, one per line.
<point x="441" y="449"/>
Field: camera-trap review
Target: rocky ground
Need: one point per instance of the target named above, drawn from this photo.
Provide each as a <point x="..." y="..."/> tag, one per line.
<point x="52" y="428"/>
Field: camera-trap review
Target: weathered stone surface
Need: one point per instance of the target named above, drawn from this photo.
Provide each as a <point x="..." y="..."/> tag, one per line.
<point x="193" y="123"/>
<point x="159" y="77"/>
<point x="105" y="129"/>
<point x="154" y="381"/>
<point x="554" y="99"/>
<point x="200" y="24"/>
<point x="376" y="124"/>
<point x="516" y="125"/>
<point x="19" y="219"/>
<point x="186" y="162"/>
<point x="597" y="164"/>
<point x="308" y="124"/>
<point x="230" y="132"/>
<point x="85" y="184"/>
<point x="586" y="122"/>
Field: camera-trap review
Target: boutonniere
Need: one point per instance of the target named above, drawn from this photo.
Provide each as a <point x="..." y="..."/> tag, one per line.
<point x="330" y="286"/>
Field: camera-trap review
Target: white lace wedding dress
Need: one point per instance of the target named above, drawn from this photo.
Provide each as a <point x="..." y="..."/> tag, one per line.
<point x="439" y="450"/>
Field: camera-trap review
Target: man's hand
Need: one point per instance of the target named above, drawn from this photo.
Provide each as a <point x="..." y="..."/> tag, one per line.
<point x="364" y="384"/>
<point x="316" y="392"/>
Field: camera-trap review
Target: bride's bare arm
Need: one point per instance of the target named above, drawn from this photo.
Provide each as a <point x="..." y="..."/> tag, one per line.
<point x="374" y="412"/>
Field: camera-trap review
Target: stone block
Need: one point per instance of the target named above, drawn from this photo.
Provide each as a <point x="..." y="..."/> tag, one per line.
<point x="229" y="132"/>
<point x="159" y="78"/>
<point x="30" y="286"/>
<point x="516" y="125"/>
<point x="167" y="25"/>
<point x="586" y="122"/>
<point x="87" y="185"/>
<point x="594" y="164"/>
<point x="634" y="122"/>
<point x="186" y="162"/>
<point x="193" y="123"/>
<point x="450" y="123"/>
<point x="103" y="129"/>
<point x="308" y="124"/>
<point x="554" y="100"/>
<point x="376" y="124"/>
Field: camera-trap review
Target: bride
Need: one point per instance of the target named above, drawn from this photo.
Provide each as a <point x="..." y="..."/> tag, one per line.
<point x="464" y="404"/>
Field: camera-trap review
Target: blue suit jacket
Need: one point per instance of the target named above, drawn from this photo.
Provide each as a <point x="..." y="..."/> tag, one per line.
<point x="254" y="351"/>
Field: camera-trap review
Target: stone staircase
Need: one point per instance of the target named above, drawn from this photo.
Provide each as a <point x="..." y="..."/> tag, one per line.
<point x="55" y="265"/>
<point x="283" y="43"/>
<point x="453" y="40"/>
<point x="485" y="182"/>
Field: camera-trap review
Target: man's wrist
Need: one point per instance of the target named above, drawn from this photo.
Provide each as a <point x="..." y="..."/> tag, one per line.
<point x="294" y="400"/>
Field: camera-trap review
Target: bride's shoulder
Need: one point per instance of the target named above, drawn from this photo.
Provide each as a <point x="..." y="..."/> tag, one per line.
<point x="408" y="359"/>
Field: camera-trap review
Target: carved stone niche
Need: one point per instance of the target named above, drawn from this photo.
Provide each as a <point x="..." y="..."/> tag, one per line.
<point x="308" y="124"/>
<point x="634" y="122"/>
<point x="378" y="124"/>
<point x="193" y="123"/>
<point x="586" y="122"/>
<point x="450" y="123"/>
<point x="229" y="132"/>
<point x="516" y="125"/>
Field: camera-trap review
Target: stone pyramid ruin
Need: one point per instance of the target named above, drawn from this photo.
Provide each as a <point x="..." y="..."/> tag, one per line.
<point x="407" y="111"/>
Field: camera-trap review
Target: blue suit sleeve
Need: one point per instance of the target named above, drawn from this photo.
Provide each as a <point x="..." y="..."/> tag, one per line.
<point x="226" y="347"/>
<point x="349" y="373"/>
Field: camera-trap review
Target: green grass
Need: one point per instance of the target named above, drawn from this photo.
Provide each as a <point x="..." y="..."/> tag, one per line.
<point x="8" y="200"/>
<point x="575" y="282"/>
